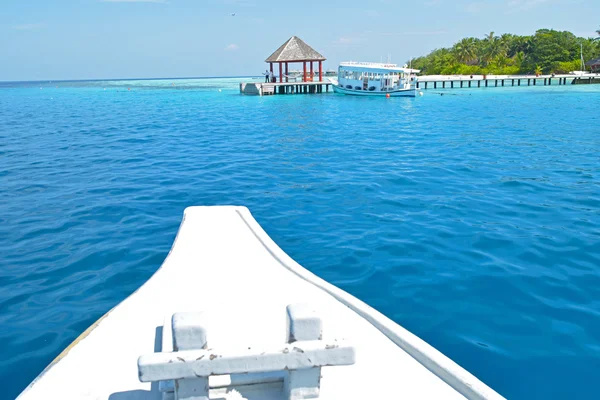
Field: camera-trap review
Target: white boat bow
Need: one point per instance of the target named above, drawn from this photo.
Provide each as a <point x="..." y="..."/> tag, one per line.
<point x="223" y="263"/>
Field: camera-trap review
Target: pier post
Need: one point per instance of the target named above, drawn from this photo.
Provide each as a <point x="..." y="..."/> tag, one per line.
<point x="549" y="81"/>
<point x="486" y="83"/>
<point x="469" y="83"/>
<point x="496" y="83"/>
<point x="451" y="84"/>
<point x="534" y="81"/>
<point x="425" y="85"/>
<point x="435" y="85"/>
<point x="280" y="72"/>
<point x="444" y="85"/>
<point x="461" y="84"/>
<point x="320" y="71"/>
<point x="519" y="82"/>
<point x="417" y="84"/>
<point x="478" y="83"/>
<point x="528" y="82"/>
<point x="304" y="76"/>
<point x="502" y="82"/>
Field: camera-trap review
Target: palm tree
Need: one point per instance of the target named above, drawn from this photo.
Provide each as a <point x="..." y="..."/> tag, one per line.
<point x="493" y="47"/>
<point x="598" y="32"/>
<point x="519" y="59"/>
<point x="502" y="61"/>
<point x="465" y="50"/>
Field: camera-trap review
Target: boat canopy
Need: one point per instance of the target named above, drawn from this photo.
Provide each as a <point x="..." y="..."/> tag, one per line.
<point x="376" y="67"/>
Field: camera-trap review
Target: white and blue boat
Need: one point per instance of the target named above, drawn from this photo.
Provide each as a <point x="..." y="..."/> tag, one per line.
<point x="375" y="79"/>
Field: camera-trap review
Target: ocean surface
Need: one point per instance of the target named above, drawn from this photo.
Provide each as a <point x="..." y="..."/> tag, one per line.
<point x="471" y="218"/>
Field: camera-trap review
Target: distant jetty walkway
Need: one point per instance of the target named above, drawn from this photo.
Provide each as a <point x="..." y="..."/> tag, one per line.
<point x="478" y="81"/>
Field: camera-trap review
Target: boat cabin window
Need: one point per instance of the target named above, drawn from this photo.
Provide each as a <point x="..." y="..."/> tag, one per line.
<point x="369" y="75"/>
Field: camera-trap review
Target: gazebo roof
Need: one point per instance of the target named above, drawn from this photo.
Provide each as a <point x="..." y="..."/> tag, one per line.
<point x="295" y="50"/>
<point x="595" y="61"/>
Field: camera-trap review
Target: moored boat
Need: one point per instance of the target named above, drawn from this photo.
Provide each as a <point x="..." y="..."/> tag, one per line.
<point x="229" y="315"/>
<point x="375" y="79"/>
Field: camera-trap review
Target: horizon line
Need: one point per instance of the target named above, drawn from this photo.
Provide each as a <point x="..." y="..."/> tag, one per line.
<point x="126" y="79"/>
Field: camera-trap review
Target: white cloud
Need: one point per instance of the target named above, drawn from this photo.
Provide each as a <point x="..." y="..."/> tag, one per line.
<point x="28" y="27"/>
<point x="475" y="8"/>
<point x="348" y="40"/>
<point x="425" y="33"/>
<point x="232" y="47"/>
<point x="415" y="33"/>
<point x="523" y="5"/>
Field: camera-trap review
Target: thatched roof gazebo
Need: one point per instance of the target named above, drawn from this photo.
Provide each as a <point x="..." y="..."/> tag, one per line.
<point x="295" y="50"/>
<point x="594" y="64"/>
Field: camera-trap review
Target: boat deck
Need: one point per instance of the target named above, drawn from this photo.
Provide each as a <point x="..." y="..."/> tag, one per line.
<point x="223" y="263"/>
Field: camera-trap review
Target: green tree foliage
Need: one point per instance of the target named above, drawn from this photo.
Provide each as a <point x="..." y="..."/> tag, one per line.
<point x="548" y="51"/>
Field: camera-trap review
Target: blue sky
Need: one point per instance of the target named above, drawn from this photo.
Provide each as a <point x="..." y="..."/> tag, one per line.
<point x="82" y="39"/>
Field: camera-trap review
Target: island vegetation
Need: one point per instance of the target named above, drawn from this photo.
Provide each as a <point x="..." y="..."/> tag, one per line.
<point x="547" y="51"/>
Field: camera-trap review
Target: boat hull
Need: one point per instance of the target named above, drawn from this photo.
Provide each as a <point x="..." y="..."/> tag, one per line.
<point x="395" y="93"/>
<point x="224" y="264"/>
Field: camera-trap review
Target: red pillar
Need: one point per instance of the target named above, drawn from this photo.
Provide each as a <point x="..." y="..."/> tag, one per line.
<point x="320" y="71"/>
<point x="312" y="75"/>
<point x="280" y="72"/>
<point x="304" y="77"/>
<point x="286" y="72"/>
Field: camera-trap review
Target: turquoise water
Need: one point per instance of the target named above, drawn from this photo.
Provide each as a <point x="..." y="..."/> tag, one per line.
<point x="472" y="219"/>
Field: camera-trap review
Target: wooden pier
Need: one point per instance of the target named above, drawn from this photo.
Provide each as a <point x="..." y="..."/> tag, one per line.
<point x="478" y="81"/>
<point x="294" y="50"/>
<point x="264" y="88"/>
